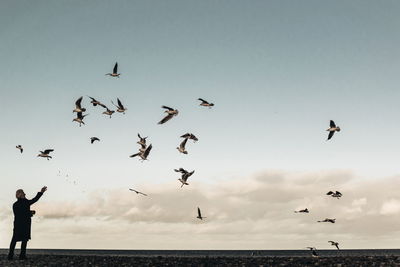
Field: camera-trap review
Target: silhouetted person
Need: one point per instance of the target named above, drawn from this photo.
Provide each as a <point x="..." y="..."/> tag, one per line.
<point x="22" y="221"/>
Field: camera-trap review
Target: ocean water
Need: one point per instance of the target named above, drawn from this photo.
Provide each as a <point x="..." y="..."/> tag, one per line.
<point x="215" y="253"/>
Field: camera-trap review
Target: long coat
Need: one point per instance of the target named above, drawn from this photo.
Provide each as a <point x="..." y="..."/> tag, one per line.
<point x="22" y="218"/>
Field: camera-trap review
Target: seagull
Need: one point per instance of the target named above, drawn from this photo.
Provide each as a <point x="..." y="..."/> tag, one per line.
<point x="181" y="147"/>
<point x="142" y="141"/>
<point x="336" y="244"/>
<point x="302" y="211"/>
<point x="332" y="129"/>
<point x="190" y="136"/>
<point x="185" y="175"/>
<point x="336" y="194"/>
<point x="78" y="107"/>
<point x="313" y="251"/>
<point x="45" y="154"/>
<point x="137" y="192"/>
<point x="94" y="101"/>
<point x="171" y="112"/>
<point x="92" y="139"/>
<point x="205" y="103"/>
<point x="143" y="154"/>
<point x="328" y="220"/>
<point x="108" y="112"/>
<point x="199" y="214"/>
<point x="115" y="71"/>
<point x="120" y="107"/>
<point x="79" y="118"/>
<point x="20" y="148"/>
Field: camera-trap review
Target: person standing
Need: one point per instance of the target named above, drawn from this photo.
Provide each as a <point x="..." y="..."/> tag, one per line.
<point x="22" y="221"/>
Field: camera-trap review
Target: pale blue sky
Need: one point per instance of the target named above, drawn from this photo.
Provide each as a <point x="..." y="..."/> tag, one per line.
<point x="277" y="71"/>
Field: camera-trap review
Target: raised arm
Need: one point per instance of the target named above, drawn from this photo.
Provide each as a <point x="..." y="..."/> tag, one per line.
<point x="38" y="195"/>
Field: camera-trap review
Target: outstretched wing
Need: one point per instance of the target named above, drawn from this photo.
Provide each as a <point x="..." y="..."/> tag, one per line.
<point x="186" y="135"/>
<point x="332" y="124"/>
<point x="47" y="151"/>
<point x="78" y="102"/>
<point x="183" y="144"/>
<point x="115" y="70"/>
<point x="167" y="108"/>
<point x="199" y="212"/>
<point x="147" y="151"/>
<point x="330" y="135"/>
<point x="202" y="100"/>
<point x="134" y="155"/>
<point x="329" y="193"/>
<point x="120" y="104"/>
<point x="104" y="106"/>
<point x="165" y="119"/>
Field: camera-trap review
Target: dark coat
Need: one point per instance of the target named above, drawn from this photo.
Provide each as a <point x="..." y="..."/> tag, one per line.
<point x="22" y="218"/>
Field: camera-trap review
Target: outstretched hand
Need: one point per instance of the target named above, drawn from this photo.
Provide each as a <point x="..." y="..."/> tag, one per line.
<point x="44" y="188"/>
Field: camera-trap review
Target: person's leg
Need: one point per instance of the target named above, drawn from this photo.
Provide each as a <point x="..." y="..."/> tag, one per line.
<point x="22" y="256"/>
<point x="12" y="247"/>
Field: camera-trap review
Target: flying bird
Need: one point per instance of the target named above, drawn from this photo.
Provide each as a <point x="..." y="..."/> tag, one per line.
<point x="181" y="147"/>
<point x="313" y="251"/>
<point x="302" y="211"/>
<point x="184" y="175"/>
<point x="333" y="243"/>
<point x="120" y="107"/>
<point x="92" y="139"/>
<point x="204" y="103"/>
<point x="94" y="101"/>
<point x="332" y="129"/>
<point x="190" y="136"/>
<point x="20" y="148"/>
<point x="336" y="194"/>
<point x="45" y="154"/>
<point x="115" y="71"/>
<point x="199" y="214"/>
<point x="138" y="192"/>
<point x="328" y="220"/>
<point x="79" y="118"/>
<point x="78" y="106"/>
<point x="171" y="113"/>
<point x="108" y="111"/>
<point x="143" y="154"/>
<point x="142" y="140"/>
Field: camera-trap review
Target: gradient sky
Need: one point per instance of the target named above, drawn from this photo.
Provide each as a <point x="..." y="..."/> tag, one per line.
<point x="277" y="71"/>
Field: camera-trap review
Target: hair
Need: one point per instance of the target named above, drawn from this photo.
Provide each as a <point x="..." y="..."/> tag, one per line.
<point x="18" y="193"/>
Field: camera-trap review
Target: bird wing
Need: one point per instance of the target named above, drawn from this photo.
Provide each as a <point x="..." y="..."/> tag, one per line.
<point x="166" y="118"/>
<point x="78" y="102"/>
<point x="104" y="106"/>
<point x="338" y="193"/>
<point x="183" y="143"/>
<point x="202" y="100"/>
<point x="199" y="212"/>
<point x="134" y="155"/>
<point x="167" y="108"/>
<point x="192" y="136"/>
<point x="47" y="151"/>
<point x="79" y="115"/>
<point x="186" y="135"/>
<point x="330" y="135"/>
<point x="120" y="104"/>
<point x="147" y="151"/>
<point x="329" y="193"/>
<point x="115" y="70"/>
<point x="332" y="124"/>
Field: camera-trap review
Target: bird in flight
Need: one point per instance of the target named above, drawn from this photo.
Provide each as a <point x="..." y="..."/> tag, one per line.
<point x="204" y="103"/>
<point x="332" y="129"/>
<point x="313" y="251"/>
<point x="328" y="220"/>
<point x="20" y="148"/>
<point x="302" y="211"/>
<point x="336" y="194"/>
<point x="143" y="154"/>
<point x="108" y="111"/>
<point x="92" y="139"/>
<point x="78" y="106"/>
<point x="138" y="192"/>
<point x="190" y="136"/>
<point x="142" y="140"/>
<point x="170" y="113"/>
<point x="79" y="118"/>
<point x="94" y="101"/>
<point x="115" y="71"/>
<point x="181" y="147"/>
<point x="199" y="214"/>
<point x="333" y="243"/>
<point x="45" y="154"/>
<point x="120" y="107"/>
<point x="185" y="175"/>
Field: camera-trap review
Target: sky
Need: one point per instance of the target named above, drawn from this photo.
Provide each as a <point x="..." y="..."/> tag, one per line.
<point x="277" y="71"/>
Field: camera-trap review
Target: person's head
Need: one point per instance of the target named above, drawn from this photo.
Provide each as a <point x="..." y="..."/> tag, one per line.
<point x="20" y="194"/>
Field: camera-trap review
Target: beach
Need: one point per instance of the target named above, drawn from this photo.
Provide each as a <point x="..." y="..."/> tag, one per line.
<point x="92" y="260"/>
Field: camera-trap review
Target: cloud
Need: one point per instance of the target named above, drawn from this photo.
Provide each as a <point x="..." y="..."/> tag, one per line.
<point x="251" y="212"/>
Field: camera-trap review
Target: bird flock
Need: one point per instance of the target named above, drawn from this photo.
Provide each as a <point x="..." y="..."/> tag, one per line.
<point x="144" y="150"/>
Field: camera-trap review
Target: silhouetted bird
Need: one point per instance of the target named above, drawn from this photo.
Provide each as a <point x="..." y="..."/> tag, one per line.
<point x="92" y="139"/>
<point x="120" y="107"/>
<point x="20" y="148"/>
<point x="313" y="251"/>
<point x="171" y="113"/>
<point x="45" y="154"/>
<point x="190" y="136"/>
<point x="94" y="101"/>
<point x="181" y="147"/>
<point x="204" y="103"/>
<point x="79" y="118"/>
<point x="138" y="192"/>
<point x="184" y="175"/>
<point x="332" y="129"/>
<point x="78" y="107"/>
<point x="336" y="194"/>
<point x="115" y="71"/>
<point x="302" y="211"/>
<point x="108" y="111"/>
<point x="333" y="243"/>
<point x="328" y="220"/>
<point x="143" y="154"/>
<point x="199" y="214"/>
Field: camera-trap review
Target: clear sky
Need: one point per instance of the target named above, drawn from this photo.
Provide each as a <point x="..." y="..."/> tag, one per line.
<point x="277" y="71"/>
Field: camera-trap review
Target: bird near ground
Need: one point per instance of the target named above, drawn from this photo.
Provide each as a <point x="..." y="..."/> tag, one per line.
<point x="333" y="243"/>
<point x="20" y="148"/>
<point x="45" y="153"/>
<point x="199" y="214"/>
<point x="79" y="118"/>
<point x="115" y="71"/>
<point x="92" y="139"/>
<point x="205" y="103"/>
<point x="170" y="113"/>
<point x="182" y="145"/>
<point x="336" y="194"/>
<point x="313" y="251"/>
<point x="184" y="176"/>
<point x="138" y="192"/>
<point x="328" y="220"/>
<point x="78" y="106"/>
<point x="332" y="129"/>
<point x="143" y="154"/>
<point x="190" y="136"/>
<point x="120" y="107"/>
<point x="302" y="211"/>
